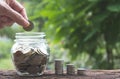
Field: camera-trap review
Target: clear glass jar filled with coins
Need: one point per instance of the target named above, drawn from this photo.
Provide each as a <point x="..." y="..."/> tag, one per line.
<point x="30" y="53"/>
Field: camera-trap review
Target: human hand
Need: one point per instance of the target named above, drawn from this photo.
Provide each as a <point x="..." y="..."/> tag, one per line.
<point x="10" y="12"/>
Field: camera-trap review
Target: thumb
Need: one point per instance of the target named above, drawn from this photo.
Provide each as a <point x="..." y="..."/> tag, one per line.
<point x="17" y="17"/>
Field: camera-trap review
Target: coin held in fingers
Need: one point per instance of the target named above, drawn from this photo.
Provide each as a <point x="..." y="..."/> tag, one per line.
<point x="30" y="27"/>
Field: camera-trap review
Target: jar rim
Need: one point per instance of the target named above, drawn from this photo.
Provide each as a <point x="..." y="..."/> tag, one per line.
<point x="24" y="35"/>
<point x="21" y="33"/>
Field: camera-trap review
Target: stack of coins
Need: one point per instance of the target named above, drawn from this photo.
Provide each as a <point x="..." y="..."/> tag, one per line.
<point x="70" y="69"/>
<point x="58" y="66"/>
<point x="80" y="71"/>
<point x="30" y="27"/>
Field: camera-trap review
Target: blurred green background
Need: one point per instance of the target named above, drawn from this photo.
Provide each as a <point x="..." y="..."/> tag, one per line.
<point x="83" y="32"/>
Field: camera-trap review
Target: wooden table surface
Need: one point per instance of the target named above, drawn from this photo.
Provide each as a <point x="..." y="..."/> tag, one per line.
<point x="89" y="74"/>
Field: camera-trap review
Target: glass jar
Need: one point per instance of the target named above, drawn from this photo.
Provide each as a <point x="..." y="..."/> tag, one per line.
<point x="30" y="53"/>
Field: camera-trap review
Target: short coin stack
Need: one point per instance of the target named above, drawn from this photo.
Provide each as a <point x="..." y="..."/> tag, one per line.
<point x="81" y="71"/>
<point x="70" y="69"/>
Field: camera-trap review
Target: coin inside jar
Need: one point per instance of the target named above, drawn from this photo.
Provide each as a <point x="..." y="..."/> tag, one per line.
<point x="30" y="27"/>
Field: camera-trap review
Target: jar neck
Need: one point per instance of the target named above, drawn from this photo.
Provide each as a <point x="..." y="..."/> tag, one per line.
<point x="30" y="37"/>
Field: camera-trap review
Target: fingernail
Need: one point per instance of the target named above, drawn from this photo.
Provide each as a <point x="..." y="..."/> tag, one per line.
<point x="27" y="23"/>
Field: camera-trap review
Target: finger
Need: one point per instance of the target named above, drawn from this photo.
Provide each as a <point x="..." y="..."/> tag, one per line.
<point x="19" y="8"/>
<point x="1" y="26"/>
<point x="9" y="23"/>
<point x="6" y="22"/>
<point x="15" y="16"/>
<point x="4" y="18"/>
<point x="23" y="13"/>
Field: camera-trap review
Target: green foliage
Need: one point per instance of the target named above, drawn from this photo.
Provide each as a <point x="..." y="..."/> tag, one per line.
<point x="6" y="64"/>
<point x="114" y="8"/>
<point x="5" y="47"/>
<point x="82" y="26"/>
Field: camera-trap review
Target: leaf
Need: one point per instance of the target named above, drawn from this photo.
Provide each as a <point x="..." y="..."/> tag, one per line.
<point x="100" y="17"/>
<point x="93" y="0"/>
<point x="114" y="8"/>
<point x="90" y="35"/>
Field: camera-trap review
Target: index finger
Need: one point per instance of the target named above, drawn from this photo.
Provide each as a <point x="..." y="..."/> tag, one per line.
<point x="15" y="16"/>
<point x="19" y="8"/>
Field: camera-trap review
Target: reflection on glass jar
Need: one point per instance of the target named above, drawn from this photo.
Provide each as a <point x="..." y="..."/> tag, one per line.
<point x="30" y="53"/>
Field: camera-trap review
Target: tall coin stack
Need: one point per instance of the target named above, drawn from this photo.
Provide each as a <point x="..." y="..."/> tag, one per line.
<point x="58" y="66"/>
<point x="70" y="69"/>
